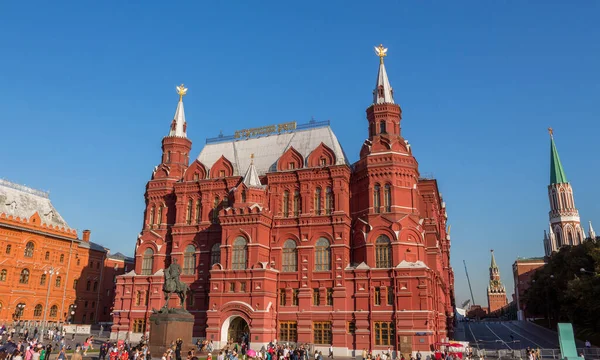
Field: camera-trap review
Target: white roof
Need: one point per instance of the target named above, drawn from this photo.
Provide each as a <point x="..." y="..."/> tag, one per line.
<point x="268" y="149"/>
<point x="22" y="201"/>
<point x="388" y="92"/>
<point x="251" y="178"/>
<point x="179" y="118"/>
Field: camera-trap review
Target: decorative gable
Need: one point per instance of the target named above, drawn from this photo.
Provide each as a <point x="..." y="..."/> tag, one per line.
<point x="321" y="156"/>
<point x="221" y="168"/>
<point x="196" y="171"/>
<point x="290" y="160"/>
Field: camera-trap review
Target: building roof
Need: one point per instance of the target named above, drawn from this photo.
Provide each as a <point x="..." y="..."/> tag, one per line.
<point x="22" y="201"/>
<point x="386" y="96"/>
<point x="557" y="173"/>
<point x="268" y="149"/>
<point x="121" y="257"/>
<point x="251" y="178"/>
<point x="92" y="246"/>
<point x="178" y="128"/>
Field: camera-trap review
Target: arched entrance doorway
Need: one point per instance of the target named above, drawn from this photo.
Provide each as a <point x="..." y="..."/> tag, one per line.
<point x="236" y="330"/>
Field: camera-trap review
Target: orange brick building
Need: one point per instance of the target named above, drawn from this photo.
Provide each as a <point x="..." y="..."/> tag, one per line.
<point x="46" y="270"/>
<point x="281" y="237"/>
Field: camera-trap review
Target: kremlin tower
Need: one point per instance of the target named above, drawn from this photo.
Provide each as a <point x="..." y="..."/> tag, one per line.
<point x="496" y="291"/>
<point x="565" y="228"/>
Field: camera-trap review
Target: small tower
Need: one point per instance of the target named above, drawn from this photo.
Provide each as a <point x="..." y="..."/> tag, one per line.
<point x="591" y="232"/>
<point x="564" y="217"/>
<point x="496" y="291"/>
<point x="176" y="146"/>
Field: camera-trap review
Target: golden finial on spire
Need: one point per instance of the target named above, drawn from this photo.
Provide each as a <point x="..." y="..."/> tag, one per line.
<point x="181" y="90"/>
<point x="381" y="52"/>
<point x="252" y="158"/>
<point x="551" y="132"/>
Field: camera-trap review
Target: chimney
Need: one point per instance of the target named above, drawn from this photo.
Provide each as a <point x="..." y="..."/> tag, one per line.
<point x="86" y="235"/>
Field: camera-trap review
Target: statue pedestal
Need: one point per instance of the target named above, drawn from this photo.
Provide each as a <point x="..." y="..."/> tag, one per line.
<point x="167" y="328"/>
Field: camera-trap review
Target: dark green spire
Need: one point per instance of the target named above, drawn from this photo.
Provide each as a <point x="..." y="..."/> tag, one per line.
<point x="557" y="173"/>
<point x="493" y="263"/>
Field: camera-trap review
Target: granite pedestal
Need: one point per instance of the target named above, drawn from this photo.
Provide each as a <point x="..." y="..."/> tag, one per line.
<point x="168" y="327"/>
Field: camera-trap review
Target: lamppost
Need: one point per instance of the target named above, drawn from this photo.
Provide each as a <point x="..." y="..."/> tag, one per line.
<point x="18" y="311"/>
<point x="72" y="308"/>
<point x="50" y="272"/>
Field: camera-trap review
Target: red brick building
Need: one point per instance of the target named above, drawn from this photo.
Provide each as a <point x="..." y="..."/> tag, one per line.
<point x="523" y="271"/>
<point x="47" y="273"/>
<point x="281" y="237"/>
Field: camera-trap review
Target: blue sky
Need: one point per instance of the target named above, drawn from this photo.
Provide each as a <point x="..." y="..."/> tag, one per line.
<point x="87" y="93"/>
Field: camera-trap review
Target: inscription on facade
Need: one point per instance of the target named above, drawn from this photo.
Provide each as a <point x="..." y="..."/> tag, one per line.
<point x="265" y="130"/>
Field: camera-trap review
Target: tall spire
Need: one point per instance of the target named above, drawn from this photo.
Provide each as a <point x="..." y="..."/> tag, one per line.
<point x="557" y="173"/>
<point x="591" y="232"/>
<point x="383" y="93"/>
<point x="178" y="126"/>
<point x="493" y="263"/>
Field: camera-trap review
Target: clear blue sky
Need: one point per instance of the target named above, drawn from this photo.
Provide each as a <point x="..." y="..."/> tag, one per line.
<point x="88" y="91"/>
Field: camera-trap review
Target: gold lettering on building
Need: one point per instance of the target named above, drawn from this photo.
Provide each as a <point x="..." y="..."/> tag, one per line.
<point x="265" y="130"/>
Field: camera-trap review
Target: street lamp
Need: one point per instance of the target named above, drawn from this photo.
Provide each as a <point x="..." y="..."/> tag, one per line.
<point x="72" y="308"/>
<point x="50" y="272"/>
<point x="18" y="311"/>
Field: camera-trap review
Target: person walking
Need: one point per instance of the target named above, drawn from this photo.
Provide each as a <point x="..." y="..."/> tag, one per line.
<point x="330" y="351"/>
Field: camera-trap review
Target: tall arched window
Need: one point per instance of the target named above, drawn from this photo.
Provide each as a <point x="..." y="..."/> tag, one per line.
<point x="189" y="260"/>
<point x="198" y="211"/>
<point x="328" y="201"/>
<point x="43" y="279"/>
<point x="147" y="261"/>
<point x="318" y="205"/>
<point x="29" y="249"/>
<point x="53" y="311"/>
<point x="160" y="214"/>
<point x="215" y="254"/>
<point x="37" y="311"/>
<point x="188" y="213"/>
<point x="88" y="285"/>
<point x="558" y="233"/>
<point x="383" y="252"/>
<point x="322" y="255"/>
<point x="47" y="255"/>
<point x="376" y="199"/>
<point x="138" y="298"/>
<point x="95" y="286"/>
<point x="297" y="203"/>
<point x="3" y="275"/>
<point x="243" y="196"/>
<point x="239" y="254"/>
<point x="382" y="127"/>
<point x="563" y="199"/>
<point x="57" y="281"/>
<point x="290" y="256"/>
<point x="62" y="258"/>
<point x="286" y="203"/>
<point x="387" y="198"/>
<point x="24" y="278"/>
<point x="570" y="235"/>
<point x="215" y="212"/>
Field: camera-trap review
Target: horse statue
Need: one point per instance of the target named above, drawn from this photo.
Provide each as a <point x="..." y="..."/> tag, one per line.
<point x="174" y="285"/>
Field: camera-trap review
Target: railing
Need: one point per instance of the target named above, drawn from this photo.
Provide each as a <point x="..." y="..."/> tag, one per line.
<point x="588" y="353"/>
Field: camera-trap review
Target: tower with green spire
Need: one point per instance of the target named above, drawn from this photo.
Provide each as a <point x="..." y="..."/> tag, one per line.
<point x="565" y="226"/>
<point x="496" y="291"/>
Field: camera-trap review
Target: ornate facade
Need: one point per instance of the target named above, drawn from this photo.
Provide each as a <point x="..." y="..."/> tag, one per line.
<point x="496" y="292"/>
<point x="48" y="273"/>
<point x="279" y="236"/>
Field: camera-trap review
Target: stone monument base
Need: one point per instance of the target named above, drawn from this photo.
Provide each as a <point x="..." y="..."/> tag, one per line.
<point x="167" y="328"/>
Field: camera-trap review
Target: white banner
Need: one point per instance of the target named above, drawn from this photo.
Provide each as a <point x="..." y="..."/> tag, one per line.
<point x="77" y="329"/>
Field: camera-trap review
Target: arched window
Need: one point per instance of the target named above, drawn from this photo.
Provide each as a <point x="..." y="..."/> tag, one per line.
<point x="138" y="298"/>
<point x="24" y="278"/>
<point x="243" y="196"/>
<point x="322" y="255"/>
<point x="53" y="311"/>
<point x="328" y="201"/>
<point x="88" y="285"/>
<point x="563" y="199"/>
<point x="286" y="203"/>
<point x="382" y="127"/>
<point x="159" y="216"/>
<point x="151" y="217"/>
<point x="147" y="261"/>
<point x="43" y="279"/>
<point x="95" y="286"/>
<point x="383" y="252"/>
<point x="387" y="198"/>
<point x="215" y="212"/>
<point x="297" y="203"/>
<point x="198" y="213"/>
<point x="188" y="213"/>
<point x="75" y="283"/>
<point x="376" y="198"/>
<point x="62" y="258"/>
<point x="168" y="157"/>
<point x="558" y="233"/>
<point x="29" y="249"/>
<point x="570" y="235"/>
<point x="215" y="254"/>
<point x="47" y="255"/>
<point x="3" y="275"/>
<point x="239" y="253"/>
<point x="189" y="260"/>
<point x="57" y="281"/>
<point x="290" y="256"/>
<point x="37" y="311"/>
<point x="318" y="205"/>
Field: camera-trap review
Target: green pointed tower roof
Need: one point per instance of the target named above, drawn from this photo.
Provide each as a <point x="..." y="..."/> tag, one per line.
<point x="557" y="173"/>
<point x="493" y="263"/>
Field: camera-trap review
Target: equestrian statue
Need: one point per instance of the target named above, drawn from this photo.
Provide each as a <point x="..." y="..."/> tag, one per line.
<point x="173" y="285"/>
